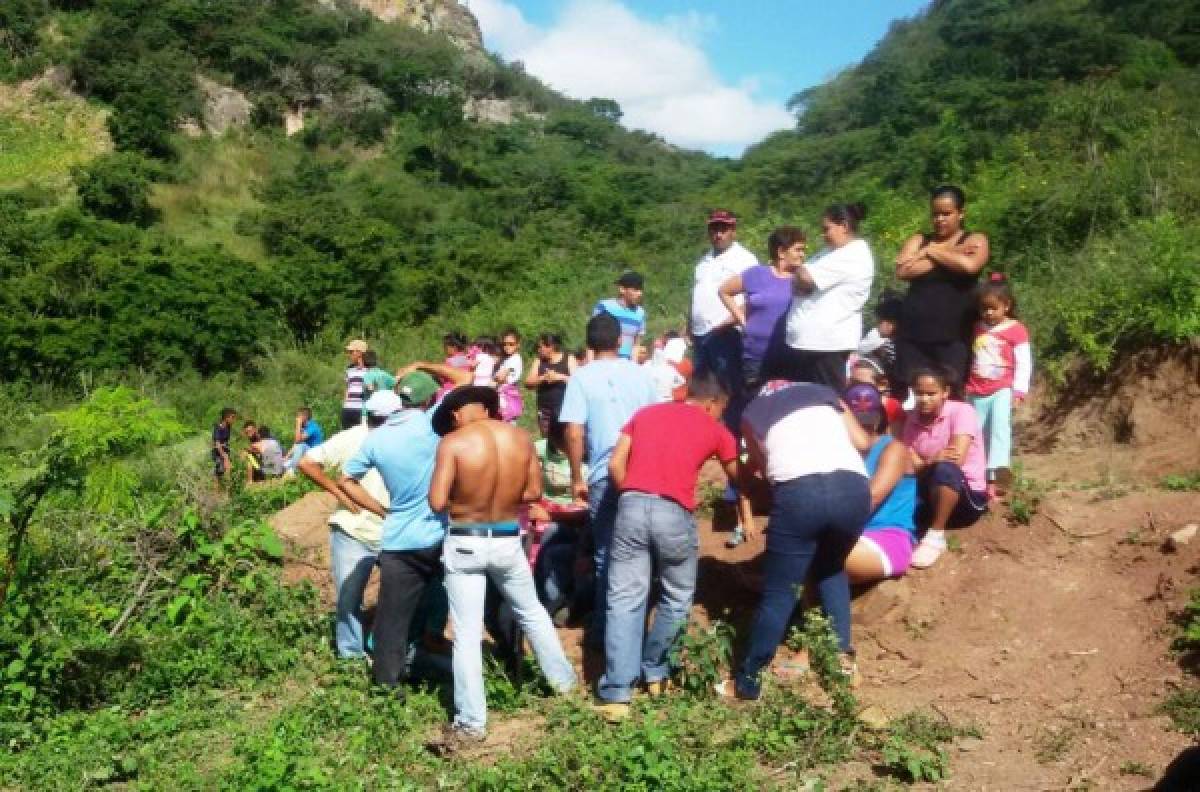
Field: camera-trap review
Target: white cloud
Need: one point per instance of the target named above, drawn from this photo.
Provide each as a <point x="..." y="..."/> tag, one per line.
<point x="657" y="71"/>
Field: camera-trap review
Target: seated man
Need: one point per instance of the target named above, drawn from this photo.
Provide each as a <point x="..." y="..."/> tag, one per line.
<point x="486" y="470"/>
<point x="403" y="450"/>
<point x="306" y="435"/>
<point x="264" y="455"/>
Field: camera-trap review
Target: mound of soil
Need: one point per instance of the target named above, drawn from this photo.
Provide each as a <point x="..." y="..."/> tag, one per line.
<point x="1149" y="401"/>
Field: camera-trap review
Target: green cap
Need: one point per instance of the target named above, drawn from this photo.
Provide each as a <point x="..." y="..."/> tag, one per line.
<point x="416" y="388"/>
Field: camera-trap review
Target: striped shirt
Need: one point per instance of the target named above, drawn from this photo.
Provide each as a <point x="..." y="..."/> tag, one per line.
<point x="354" y="388"/>
<point x="632" y="321"/>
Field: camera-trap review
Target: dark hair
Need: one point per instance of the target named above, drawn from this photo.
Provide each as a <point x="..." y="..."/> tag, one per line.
<point x="671" y="335"/>
<point x="227" y="412"/>
<point x="511" y="331"/>
<point x="264" y="433"/>
<point x="455" y="340"/>
<point x="997" y="286"/>
<point x="783" y="238"/>
<point x="603" y="333"/>
<point x="942" y="376"/>
<point x="707" y="386"/>
<point x="950" y="191"/>
<point x="487" y="344"/>
<point x="887" y="308"/>
<point x="306" y="412"/>
<point x="849" y="215"/>
<point x="877" y="371"/>
<point x="552" y="340"/>
<point x="370" y="358"/>
<point x="249" y="424"/>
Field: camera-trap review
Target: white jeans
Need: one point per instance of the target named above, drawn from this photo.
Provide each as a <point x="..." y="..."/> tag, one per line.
<point x="470" y="561"/>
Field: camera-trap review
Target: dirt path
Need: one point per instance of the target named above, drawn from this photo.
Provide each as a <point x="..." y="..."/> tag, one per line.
<point x="1051" y="638"/>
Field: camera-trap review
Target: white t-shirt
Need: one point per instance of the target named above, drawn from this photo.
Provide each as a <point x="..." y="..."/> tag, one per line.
<point x="514" y="366"/>
<point x="800" y="428"/>
<point x="830" y="318"/>
<point x="708" y="312"/>
<point x="666" y="377"/>
<point x="485" y="369"/>
<point x="334" y="453"/>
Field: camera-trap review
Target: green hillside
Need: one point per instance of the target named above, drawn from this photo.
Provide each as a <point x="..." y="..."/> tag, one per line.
<point x="147" y="638"/>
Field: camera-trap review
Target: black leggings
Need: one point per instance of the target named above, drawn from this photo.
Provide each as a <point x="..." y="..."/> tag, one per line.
<point x="953" y="357"/>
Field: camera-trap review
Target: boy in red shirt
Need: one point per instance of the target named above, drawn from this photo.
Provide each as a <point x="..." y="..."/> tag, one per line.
<point x="655" y="464"/>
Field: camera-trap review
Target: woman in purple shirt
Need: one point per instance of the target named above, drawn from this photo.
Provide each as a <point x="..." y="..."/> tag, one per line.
<point x="768" y="292"/>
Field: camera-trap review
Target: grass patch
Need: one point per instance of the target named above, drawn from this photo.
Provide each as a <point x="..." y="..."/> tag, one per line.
<point x="1181" y="482"/>
<point x="44" y="132"/>
<point x="215" y="190"/>
<point x="1183" y="708"/>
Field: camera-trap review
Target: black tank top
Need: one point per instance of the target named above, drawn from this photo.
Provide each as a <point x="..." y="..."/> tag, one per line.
<point x="550" y="394"/>
<point x="939" y="305"/>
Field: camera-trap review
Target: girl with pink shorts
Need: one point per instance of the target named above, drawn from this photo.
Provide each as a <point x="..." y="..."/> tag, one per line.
<point x="886" y="546"/>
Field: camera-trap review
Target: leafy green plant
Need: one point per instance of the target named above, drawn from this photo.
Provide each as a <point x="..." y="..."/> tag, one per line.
<point x="1183" y="708"/>
<point x="1181" y="482"/>
<point x="701" y="657"/>
<point x="1025" y="496"/>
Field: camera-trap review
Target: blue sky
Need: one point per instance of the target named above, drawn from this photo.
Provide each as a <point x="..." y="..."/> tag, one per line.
<point x="702" y="74"/>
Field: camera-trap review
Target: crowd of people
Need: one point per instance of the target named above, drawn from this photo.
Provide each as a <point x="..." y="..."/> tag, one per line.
<point x="870" y="448"/>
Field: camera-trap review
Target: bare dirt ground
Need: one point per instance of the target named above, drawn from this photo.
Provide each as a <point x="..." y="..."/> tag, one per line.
<point x="1052" y="638"/>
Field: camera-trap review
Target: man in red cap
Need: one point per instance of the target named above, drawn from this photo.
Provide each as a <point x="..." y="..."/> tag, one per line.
<point x="718" y="342"/>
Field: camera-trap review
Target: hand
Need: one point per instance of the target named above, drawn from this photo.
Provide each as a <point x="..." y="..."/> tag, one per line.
<point x="579" y="491"/>
<point x="403" y="372"/>
<point x="538" y="512"/>
<point x="949" y="455"/>
<point x="750" y="532"/>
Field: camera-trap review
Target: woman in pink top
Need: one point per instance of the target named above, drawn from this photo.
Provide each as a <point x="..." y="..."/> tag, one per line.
<point x="946" y="448"/>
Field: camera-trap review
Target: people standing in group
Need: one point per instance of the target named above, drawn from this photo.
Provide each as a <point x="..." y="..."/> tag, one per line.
<point x="354" y="532"/>
<point x="486" y="470"/>
<point x="627" y="309"/>
<point x="716" y="338"/>
<point x="221" y="433"/>
<point x="655" y="466"/>
<point x="808" y="446"/>
<point x="824" y="323"/>
<point x="508" y="375"/>
<point x="767" y="293"/>
<point x="306" y="434"/>
<point x="946" y="448"/>
<point x="938" y="311"/>
<point x="355" y="394"/>
<point x="600" y="398"/>
<point x="549" y="378"/>
<point x="403" y="449"/>
<point x="886" y="546"/>
<point x="1001" y="369"/>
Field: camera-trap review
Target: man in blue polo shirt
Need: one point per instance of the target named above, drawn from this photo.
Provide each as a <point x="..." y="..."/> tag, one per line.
<point x="403" y="449"/>
<point x="627" y="309"/>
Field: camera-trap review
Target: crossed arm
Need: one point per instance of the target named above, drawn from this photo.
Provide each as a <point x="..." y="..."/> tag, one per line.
<point x="917" y="258"/>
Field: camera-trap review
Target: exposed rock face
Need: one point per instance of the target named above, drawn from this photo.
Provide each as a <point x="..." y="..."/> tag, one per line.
<point x="442" y="16"/>
<point x="224" y="107"/>
<point x="498" y="111"/>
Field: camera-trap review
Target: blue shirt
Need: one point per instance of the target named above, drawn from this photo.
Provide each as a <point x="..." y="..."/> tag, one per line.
<point x="603" y="396"/>
<point x="632" y="321"/>
<point x="313" y="436"/>
<point x="897" y="508"/>
<point x="403" y="450"/>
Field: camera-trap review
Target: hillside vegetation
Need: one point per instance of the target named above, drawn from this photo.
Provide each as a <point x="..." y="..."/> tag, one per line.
<point x="151" y="278"/>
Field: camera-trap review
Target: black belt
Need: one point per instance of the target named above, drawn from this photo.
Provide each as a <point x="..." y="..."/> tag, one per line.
<point x="459" y="530"/>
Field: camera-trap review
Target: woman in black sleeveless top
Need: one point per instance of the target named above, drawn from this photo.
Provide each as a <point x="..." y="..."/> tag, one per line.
<point x="938" y="311"/>
<point x="549" y="377"/>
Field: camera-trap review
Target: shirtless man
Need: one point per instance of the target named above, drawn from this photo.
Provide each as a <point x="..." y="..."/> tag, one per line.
<point x="485" y="470"/>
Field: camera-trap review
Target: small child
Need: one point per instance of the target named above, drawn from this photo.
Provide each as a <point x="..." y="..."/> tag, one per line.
<point x="1000" y="372"/>
<point x="485" y="352"/>
<point x="220" y="443"/>
<point x="627" y="309"/>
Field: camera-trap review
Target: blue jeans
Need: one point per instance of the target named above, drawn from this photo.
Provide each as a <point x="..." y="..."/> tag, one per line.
<point x="470" y="561"/>
<point x="720" y="352"/>
<point x="815" y="522"/>
<point x="995" y="417"/>
<point x="652" y="535"/>
<point x="555" y="570"/>
<point x="351" y="563"/>
<point x="297" y="453"/>
<point x="602" y="514"/>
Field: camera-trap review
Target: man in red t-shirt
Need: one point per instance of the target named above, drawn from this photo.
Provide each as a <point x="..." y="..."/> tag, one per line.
<point x="655" y="465"/>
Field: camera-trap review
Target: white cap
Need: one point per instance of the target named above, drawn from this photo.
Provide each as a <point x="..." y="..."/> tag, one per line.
<point x="675" y="350"/>
<point x="383" y="403"/>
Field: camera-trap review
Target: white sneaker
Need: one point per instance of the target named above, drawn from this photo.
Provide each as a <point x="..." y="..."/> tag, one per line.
<point x="929" y="550"/>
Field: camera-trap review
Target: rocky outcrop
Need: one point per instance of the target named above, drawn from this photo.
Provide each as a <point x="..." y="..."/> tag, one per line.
<point x="432" y="16"/>
<point x="498" y="111"/>
<point x="224" y="109"/>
